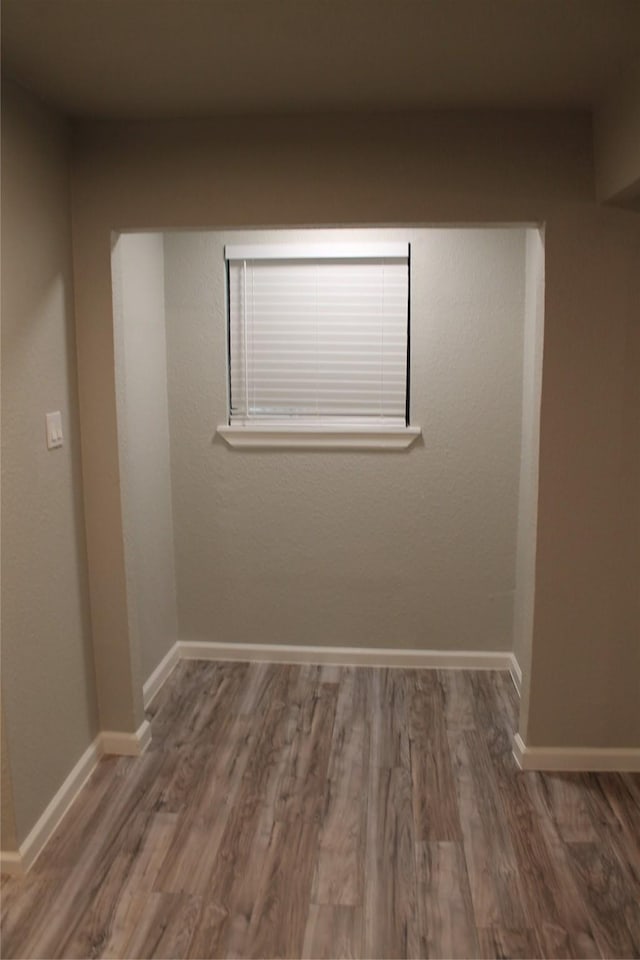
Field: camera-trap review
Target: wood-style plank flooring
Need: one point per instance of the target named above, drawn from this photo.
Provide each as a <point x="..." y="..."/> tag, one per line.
<point x="287" y="811"/>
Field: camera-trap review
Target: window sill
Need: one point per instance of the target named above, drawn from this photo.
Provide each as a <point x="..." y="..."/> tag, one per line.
<point x="319" y="438"/>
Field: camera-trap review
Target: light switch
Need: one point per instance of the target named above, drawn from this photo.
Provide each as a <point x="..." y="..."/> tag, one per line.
<point x="54" y="430"/>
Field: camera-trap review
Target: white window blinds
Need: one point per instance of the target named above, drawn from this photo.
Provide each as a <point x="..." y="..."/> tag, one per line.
<point x="318" y="335"/>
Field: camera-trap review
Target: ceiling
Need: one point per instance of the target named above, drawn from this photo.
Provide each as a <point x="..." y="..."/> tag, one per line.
<point x="160" y="58"/>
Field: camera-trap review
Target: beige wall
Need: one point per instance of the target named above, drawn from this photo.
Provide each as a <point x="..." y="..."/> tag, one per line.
<point x="433" y="167"/>
<point x="585" y="674"/>
<point x="143" y="429"/>
<point x="49" y="696"/>
<point x="413" y="168"/>
<point x="617" y="140"/>
<point x="8" y="836"/>
<point x="413" y="549"/>
<point x="524" y="600"/>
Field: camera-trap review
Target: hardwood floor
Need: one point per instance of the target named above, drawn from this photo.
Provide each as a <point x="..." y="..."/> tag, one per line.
<point x="286" y="811"/>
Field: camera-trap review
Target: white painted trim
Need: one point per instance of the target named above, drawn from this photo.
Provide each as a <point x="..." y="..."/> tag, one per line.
<point x="11" y="863"/>
<point x="318" y="438"/>
<point x="353" y="656"/>
<point x="516" y="673"/>
<point x="389" y="250"/>
<point x="126" y="744"/>
<point x="22" y="860"/>
<point x="588" y="759"/>
<point x="160" y="675"/>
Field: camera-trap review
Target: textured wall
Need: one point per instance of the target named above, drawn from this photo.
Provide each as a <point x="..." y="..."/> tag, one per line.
<point x="524" y="600"/>
<point x="411" y="168"/>
<point x="617" y="140"/>
<point x="143" y="430"/>
<point x="585" y="668"/>
<point x="414" y="168"/>
<point x="8" y="837"/>
<point x="49" y="696"/>
<point x="413" y="549"/>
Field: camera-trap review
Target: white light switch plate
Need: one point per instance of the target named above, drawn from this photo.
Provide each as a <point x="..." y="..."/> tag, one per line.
<point x="54" y="430"/>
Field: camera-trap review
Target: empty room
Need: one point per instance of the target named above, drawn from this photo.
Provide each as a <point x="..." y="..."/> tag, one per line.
<point x="320" y="478"/>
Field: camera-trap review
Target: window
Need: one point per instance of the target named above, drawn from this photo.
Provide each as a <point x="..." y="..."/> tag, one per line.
<point x="318" y="345"/>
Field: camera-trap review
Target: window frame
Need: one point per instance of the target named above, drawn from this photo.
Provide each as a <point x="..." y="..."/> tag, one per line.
<point x="296" y="433"/>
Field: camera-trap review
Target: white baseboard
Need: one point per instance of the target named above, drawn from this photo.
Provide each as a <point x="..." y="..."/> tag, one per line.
<point x="587" y="759"/>
<point x="20" y="861"/>
<point x="345" y="656"/>
<point x="516" y="673"/>
<point x="160" y="675"/>
<point x="128" y="744"/>
<point x="11" y="864"/>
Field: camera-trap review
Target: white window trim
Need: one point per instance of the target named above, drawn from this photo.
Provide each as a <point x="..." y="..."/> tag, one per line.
<point x="318" y="437"/>
<point x="316" y="251"/>
<point x="252" y="434"/>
